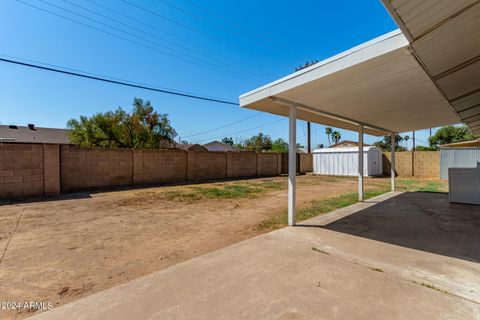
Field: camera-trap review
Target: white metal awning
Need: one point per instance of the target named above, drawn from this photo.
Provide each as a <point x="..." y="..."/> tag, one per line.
<point x="379" y="84"/>
<point x="445" y="36"/>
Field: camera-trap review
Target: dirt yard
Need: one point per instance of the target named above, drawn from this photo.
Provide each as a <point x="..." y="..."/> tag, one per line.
<point x="72" y="246"/>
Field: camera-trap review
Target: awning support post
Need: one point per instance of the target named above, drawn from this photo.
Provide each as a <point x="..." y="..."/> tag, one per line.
<point x="392" y="160"/>
<point x="360" y="163"/>
<point x="292" y="165"/>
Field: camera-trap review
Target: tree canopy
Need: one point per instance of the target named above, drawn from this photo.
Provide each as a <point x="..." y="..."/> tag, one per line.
<point x="259" y="142"/>
<point x="141" y="128"/>
<point x="263" y="142"/>
<point x="450" y="134"/>
<point x="385" y="143"/>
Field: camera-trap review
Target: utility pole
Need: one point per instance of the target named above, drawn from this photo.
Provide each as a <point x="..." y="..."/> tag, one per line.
<point x="309" y="143"/>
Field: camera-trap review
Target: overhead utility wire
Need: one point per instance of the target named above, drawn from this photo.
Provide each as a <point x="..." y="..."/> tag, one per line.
<point x="127" y="84"/>
<point x="223" y="127"/>
<point x="92" y="74"/>
<point x="222" y="26"/>
<point x="215" y="67"/>
<point x="206" y="60"/>
<point x="185" y="26"/>
<point x="245" y="130"/>
<point x="129" y="40"/>
<point x="210" y="51"/>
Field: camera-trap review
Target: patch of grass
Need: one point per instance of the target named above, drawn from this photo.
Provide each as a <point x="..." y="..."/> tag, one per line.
<point x="223" y="191"/>
<point x="316" y="208"/>
<point x="421" y="185"/>
<point x="414" y="185"/>
<point x="228" y="191"/>
<point x="182" y="196"/>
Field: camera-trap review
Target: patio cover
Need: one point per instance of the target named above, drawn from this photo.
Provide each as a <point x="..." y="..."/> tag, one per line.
<point x="445" y="37"/>
<point x="379" y="84"/>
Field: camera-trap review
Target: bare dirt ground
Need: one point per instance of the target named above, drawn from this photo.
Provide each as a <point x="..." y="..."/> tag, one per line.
<point x="72" y="246"/>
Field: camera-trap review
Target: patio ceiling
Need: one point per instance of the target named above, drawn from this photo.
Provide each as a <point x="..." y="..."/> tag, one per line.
<point x="445" y="37"/>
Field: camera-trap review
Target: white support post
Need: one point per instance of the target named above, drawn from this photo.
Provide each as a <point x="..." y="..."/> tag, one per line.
<point x="392" y="160"/>
<point x="292" y="164"/>
<point x="360" y="163"/>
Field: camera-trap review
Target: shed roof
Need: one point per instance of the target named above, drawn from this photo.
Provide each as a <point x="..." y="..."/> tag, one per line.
<point x="462" y="144"/>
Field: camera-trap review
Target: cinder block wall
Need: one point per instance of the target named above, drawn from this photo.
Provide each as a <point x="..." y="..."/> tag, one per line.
<point x="241" y="165"/>
<point x="28" y="170"/>
<point x="92" y="168"/>
<point x="206" y="165"/>
<point x="427" y="164"/>
<point x="159" y="166"/>
<point x="305" y="161"/>
<point x="51" y="169"/>
<point x="21" y="170"/>
<point x="267" y="164"/>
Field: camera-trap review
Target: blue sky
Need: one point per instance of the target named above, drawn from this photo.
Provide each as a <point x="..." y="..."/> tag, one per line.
<point x="208" y="47"/>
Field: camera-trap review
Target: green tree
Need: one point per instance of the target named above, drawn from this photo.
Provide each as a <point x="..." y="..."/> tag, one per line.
<point x="279" y="145"/>
<point x="336" y="136"/>
<point x="141" y="128"/>
<point x="259" y="142"/>
<point x="228" y="140"/>
<point x="450" y="134"/>
<point x="385" y="144"/>
<point x="328" y="132"/>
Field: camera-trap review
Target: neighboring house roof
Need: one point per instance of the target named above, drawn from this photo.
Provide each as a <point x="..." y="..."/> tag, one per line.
<point x="347" y="143"/>
<point x="32" y="134"/>
<point x="218" y="146"/>
<point x="462" y="144"/>
<point x="190" y="147"/>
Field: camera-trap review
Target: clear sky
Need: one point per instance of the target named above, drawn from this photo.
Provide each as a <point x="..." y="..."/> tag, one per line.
<point x="213" y="48"/>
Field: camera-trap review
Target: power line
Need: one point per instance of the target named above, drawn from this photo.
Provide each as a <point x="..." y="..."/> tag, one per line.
<point x="217" y="68"/>
<point x="185" y="26"/>
<point x="225" y="59"/>
<point x="241" y="131"/>
<point x="127" y="39"/>
<point x="222" y="127"/>
<point x="223" y="65"/>
<point x="222" y="26"/>
<point x="127" y="84"/>
<point x="93" y="74"/>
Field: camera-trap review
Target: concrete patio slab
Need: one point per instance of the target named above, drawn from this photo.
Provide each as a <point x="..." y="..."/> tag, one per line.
<point x="337" y="266"/>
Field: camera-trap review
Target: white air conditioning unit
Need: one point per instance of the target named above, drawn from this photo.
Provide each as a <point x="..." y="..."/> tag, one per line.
<point x="464" y="185"/>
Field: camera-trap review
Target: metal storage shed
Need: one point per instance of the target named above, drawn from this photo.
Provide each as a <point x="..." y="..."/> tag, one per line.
<point x="457" y="158"/>
<point x="344" y="161"/>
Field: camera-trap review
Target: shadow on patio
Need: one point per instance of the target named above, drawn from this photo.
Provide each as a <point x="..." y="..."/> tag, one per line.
<point x="417" y="220"/>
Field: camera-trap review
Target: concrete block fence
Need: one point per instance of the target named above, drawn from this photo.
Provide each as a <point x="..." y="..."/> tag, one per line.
<point x="422" y="164"/>
<point x="29" y="170"/>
